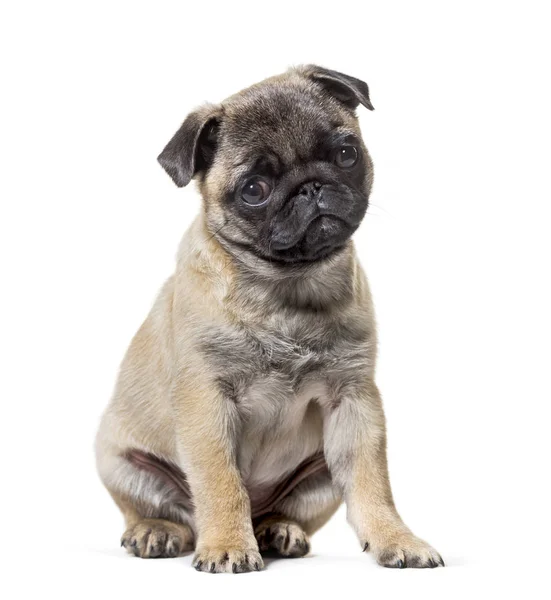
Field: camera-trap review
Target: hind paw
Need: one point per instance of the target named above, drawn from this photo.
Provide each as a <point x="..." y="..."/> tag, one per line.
<point x="284" y="537"/>
<point x="157" y="538"/>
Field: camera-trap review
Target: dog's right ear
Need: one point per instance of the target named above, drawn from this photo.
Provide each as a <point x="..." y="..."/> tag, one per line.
<point x="192" y="148"/>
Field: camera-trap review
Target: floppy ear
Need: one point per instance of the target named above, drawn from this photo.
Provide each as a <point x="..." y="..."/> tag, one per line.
<point x="193" y="145"/>
<point x="349" y="90"/>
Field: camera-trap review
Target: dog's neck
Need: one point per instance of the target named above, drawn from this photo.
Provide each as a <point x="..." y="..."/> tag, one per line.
<point x="260" y="286"/>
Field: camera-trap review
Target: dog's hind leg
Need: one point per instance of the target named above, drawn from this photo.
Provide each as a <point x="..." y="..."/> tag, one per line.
<point x="158" y="538"/>
<point x="287" y="527"/>
<point x="153" y="499"/>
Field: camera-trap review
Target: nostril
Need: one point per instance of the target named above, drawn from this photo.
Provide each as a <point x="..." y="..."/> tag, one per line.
<point x="312" y="187"/>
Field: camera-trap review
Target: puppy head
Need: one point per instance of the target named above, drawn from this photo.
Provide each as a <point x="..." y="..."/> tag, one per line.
<point x="281" y="165"/>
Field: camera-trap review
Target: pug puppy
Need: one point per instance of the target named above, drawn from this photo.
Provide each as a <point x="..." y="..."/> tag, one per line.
<point x="246" y="408"/>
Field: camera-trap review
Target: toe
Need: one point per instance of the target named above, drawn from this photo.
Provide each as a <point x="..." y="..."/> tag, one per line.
<point x="156" y="546"/>
<point x="392" y="558"/>
<point x="173" y="546"/>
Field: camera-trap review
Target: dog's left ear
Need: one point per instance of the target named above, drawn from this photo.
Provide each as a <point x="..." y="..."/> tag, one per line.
<point x="192" y="148"/>
<point x="349" y="90"/>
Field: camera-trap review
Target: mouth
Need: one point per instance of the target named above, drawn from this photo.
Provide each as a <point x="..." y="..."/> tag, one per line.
<point x="321" y="226"/>
<point x="328" y="225"/>
<point x="321" y="236"/>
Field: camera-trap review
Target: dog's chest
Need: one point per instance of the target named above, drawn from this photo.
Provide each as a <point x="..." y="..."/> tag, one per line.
<point x="277" y="376"/>
<point x="284" y="354"/>
<point x="280" y="405"/>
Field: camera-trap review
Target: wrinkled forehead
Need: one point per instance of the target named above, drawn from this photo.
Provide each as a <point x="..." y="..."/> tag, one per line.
<point x="286" y="124"/>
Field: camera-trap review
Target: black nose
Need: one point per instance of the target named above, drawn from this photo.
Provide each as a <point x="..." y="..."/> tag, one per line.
<point x="310" y="189"/>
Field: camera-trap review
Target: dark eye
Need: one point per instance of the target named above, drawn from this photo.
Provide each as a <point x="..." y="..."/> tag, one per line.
<point x="255" y="191"/>
<point x="346" y="157"/>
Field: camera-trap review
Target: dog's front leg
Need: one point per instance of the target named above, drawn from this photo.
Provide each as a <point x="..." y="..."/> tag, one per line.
<point x="208" y="425"/>
<point x="355" y="449"/>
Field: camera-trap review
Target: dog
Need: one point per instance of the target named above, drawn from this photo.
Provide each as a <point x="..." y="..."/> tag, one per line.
<point x="246" y="411"/>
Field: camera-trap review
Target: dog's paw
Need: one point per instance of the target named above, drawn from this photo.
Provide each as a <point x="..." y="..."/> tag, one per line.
<point x="284" y="537"/>
<point x="156" y="538"/>
<point x="407" y="551"/>
<point x="227" y="560"/>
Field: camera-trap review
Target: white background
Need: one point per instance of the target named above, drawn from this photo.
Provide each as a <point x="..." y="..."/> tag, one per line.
<point x="456" y="246"/>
